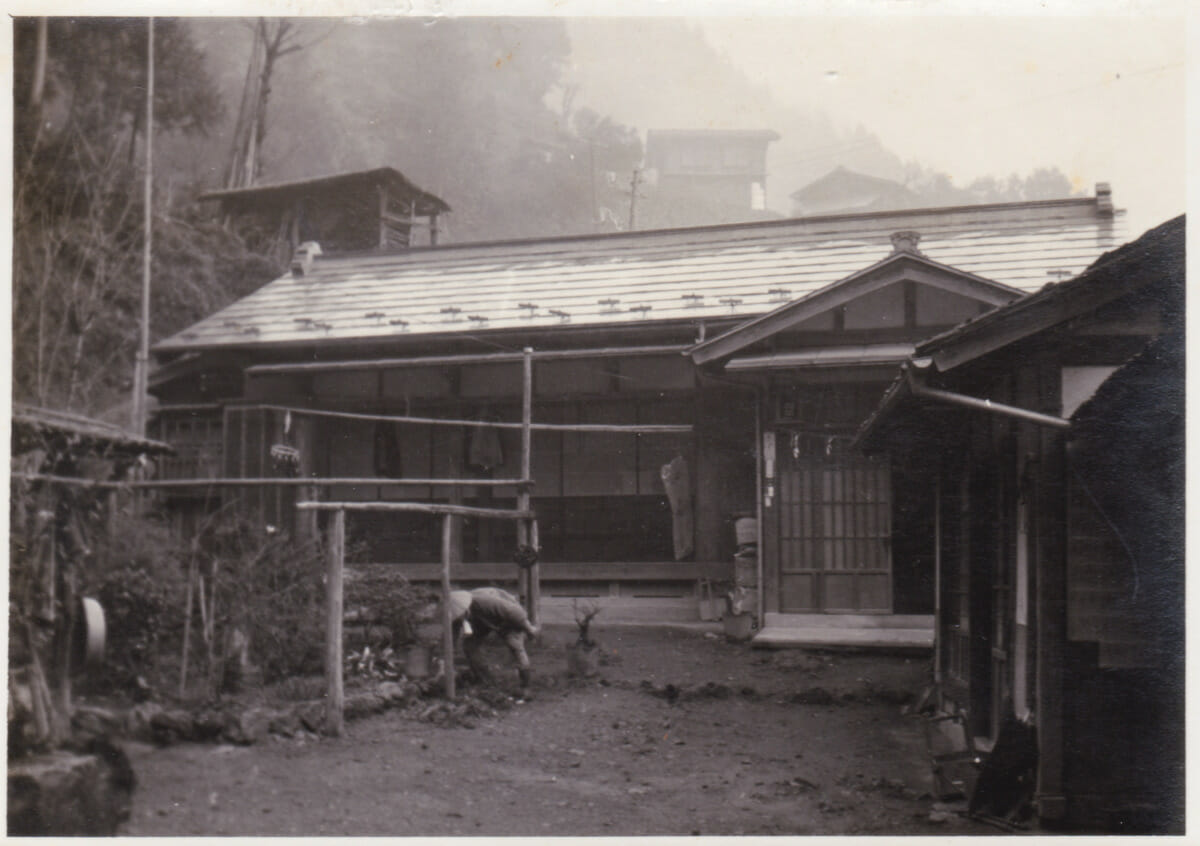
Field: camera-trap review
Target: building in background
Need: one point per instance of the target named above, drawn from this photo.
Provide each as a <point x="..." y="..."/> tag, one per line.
<point x="705" y="176"/>
<point x="844" y="191"/>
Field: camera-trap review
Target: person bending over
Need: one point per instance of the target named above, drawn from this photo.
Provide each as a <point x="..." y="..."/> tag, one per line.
<point x="477" y="613"/>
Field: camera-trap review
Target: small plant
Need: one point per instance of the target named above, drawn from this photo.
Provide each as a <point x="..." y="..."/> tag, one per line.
<point x="583" y="619"/>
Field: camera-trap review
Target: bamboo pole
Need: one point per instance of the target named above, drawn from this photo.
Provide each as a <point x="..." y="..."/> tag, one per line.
<point x="618" y="428"/>
<point x="334" y="694"/>
<point x="447" y="622"/>
<point x="420" y="508"/>
<point x="264" y="482"/>
<point x="454" y="360"/>
<point x="187" y="625"/>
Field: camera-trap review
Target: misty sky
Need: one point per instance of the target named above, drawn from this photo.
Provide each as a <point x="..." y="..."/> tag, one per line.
<point x="1100" y="98"/>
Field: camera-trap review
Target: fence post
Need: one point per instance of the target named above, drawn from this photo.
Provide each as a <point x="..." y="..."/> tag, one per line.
<point x="447" y="622"/>
<point x="527" y="578"/>
<point x="334" y="695"/>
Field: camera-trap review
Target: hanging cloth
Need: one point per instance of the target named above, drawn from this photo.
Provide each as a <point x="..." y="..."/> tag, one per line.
<point x="485" y="451"/>
<point x="678" y="484"/>
<point x="387" y="451"/>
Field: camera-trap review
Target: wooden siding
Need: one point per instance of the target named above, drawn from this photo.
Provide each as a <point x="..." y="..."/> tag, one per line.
<point x="631" y="279"/>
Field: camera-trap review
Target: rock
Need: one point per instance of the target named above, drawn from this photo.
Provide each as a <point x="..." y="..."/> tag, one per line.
<point x="209" y="725"/>
<point x="64" y="793"/>
<point x="312" y="716"/>
<point x="246" y="727"/>
<point x="284" y="724"/>
<point x="139" y="720"/>
<point x="362" y="704"/>
<point x="172" y="726"/>
<point x="93" y="720"/>
<point x="395" y="693"/>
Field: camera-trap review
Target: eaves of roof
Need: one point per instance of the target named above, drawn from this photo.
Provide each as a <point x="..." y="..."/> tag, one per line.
<point x="397" y="180"/>
<point x="886" y="271"/>
<point x="34" y="419"/>
<point x="1158" y="252"/>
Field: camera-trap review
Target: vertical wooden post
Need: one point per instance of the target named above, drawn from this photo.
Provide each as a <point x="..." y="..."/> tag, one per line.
<point x="447" y="622"/>
<point x="535" y="580"/>
<point x="334" y="694"/>
<point x="937" y="584"/>
<point x="524" y="535"/>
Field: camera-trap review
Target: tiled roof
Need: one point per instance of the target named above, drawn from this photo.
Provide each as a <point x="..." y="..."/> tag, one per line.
<point x="625" y="279"/>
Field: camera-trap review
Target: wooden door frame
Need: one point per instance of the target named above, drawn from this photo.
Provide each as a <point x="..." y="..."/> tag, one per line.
<point x="773" y="515"/>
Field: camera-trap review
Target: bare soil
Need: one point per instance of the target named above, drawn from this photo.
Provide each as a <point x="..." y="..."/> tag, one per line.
<point x="682" y="733"/>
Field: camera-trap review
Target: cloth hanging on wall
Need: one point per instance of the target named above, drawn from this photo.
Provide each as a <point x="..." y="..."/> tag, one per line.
<point x="485" y="451"/>
<point x="388" y="461"/>
<point x="678" y="483"/>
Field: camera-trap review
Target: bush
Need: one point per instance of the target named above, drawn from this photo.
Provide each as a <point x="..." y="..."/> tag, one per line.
<point x="388" y="599"/>
<point x="137" y="576"/>
<point x="272" y="590"/>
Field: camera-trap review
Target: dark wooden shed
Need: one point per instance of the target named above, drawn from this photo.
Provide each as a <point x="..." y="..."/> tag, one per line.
<point x="363" y="210"/>
<point x="1049" y="433"/>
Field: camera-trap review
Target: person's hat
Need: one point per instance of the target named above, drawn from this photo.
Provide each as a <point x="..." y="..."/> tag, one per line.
<point x="460" y="601"/>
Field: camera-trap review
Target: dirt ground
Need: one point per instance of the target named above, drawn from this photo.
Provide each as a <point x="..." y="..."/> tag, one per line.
<point x="683" y="733"/>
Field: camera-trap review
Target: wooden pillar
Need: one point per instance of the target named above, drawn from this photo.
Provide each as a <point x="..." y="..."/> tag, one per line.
<point x="937" y="581"/>
<point x="433" y="230"/>
<point x="335" y="562"/>
<point x="447" y="622"/>
<point x="524" y="534"/>
<point x="1050" y="550"/>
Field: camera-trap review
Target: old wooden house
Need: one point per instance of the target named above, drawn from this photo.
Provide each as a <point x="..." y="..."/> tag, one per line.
<point x="360" y="210"/>
<point x="767" y="342"/>
<point x="842" y="191"/>
<point x="1048" y="435"/>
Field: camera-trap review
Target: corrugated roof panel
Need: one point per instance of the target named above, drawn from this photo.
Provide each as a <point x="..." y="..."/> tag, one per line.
<point x="645" y="276"/>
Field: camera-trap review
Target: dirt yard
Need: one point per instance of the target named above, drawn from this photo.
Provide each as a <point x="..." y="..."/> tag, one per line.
<point x="682" y="733"/>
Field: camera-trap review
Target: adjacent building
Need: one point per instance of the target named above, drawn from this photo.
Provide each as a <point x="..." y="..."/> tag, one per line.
<point x="1047" y="440"/>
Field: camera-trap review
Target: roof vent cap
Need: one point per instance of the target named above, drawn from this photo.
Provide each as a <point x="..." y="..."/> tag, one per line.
<point x="906" y="242"/>
<point x="302" y="259"/>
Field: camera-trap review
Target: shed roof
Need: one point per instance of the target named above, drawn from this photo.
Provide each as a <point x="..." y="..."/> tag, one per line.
<point x="34" y="423"/>
<point x="280" y="192"/>
<point x="1155" y="256"/>
<point x="627" y="279"/>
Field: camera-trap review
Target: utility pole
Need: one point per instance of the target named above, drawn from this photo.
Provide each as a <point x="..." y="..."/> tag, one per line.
<point x="633" y="195"/>
<point x="592" y="164"/>
<point x="142" y="363"/>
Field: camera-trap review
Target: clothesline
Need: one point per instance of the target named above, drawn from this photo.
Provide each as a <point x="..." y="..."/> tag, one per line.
<point x="625" y="428"/>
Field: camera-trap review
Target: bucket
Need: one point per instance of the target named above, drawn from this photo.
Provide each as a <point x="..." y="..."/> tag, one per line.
<point x="746" y="530"/>
<point x="416" y="661"/>
<point x="739" y="626"/>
